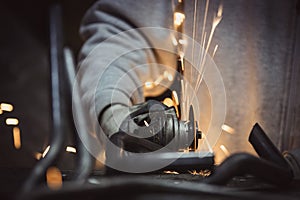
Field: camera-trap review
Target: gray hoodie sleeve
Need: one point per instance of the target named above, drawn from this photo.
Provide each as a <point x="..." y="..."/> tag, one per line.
<point x="117" y="57"/>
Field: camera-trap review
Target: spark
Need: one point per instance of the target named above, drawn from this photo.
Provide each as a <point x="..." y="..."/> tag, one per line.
<point x="17" y="137"/>
<point x="146" y="123"/>
<point x="6" y="107"/>
<point x="174" y="41"/>
<point x="182" y="41"/>
<point x="171" y="172"/>
<point x="178" y="18"/>
<point x="227" y="129"/>
<point x="157" y="81"/>
<point x="203" y="173"/>
<point x="168" y="102"/>
<point x="225" y="150"/>
<point x="175" y="102"/>
<point x="168" y="76"/>
<point x="181" y="55"/>
<point x="12" y="121"/>
<point x="38" y="155"/>
<point x="220" y="10"/>
<point x="216" y="20"/>
<point x="215" y="50"/>
<point x="187" y="150"/>
<point x="194" y="30"/>
<point x="46" y="151"/>
<point x="54" y="178"/>
<point x="175" y="97"/>
<point x="149" y="85"/>
<point x="204" y="22"/>
<point x="70" y="149"/>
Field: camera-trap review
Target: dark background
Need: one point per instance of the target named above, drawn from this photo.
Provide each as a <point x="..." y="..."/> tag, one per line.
<point x="24" y="76"/>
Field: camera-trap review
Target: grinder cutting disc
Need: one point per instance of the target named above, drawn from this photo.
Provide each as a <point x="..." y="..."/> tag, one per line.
<point x="192" y="129"/>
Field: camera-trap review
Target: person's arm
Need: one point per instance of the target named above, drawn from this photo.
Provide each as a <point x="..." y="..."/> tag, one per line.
<point x="117" y="57"/>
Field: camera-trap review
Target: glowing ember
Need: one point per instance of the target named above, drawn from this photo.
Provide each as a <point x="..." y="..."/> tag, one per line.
<point x="38" y="156"/>
<point x="227" y="129"/>
<point x="168" y="102"/>
<point x="54" y="178"/>
<point x="12" y="121"/>
<point x="224" y="149"/>
<point x="146" y="123"/>
<point x="17" y="137"/>
<point x="70" y="149"/>
<point x="178" y="18"/>
<point x="175" y="97"/>
<point x="149" y="85"/>
<point x="215" y="50"/>
<point x="46" y="151"/>
<point x="203" y="173"/>
<point x="6" y="107"/>
<point x="171" y="172"/>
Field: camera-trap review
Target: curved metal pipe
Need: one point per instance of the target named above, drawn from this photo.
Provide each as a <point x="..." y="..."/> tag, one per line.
<point x="58" y="135"/>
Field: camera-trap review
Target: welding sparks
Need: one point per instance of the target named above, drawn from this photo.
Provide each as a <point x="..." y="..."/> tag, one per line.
<point x="17" y="137"/>
<point x="220" y="11"/>
<point x="38" y="156"/>
<point x="12" y="121"/>
<point x="178" y="18"/>
<point x="54" y="178"/>
<point x="46" y="151"/>
<point x="215" y="50"/>
<point x="227" y="129"/>
<point x="203" y="173"/>
<point x="175" y="102"/>
<point x="146" y="123"/>
<point x="175" y="97"/>
<point x="181" y="55"/>
<point x="206" y="45"/>
<point x="149" y="85"/>
<point x="70" y="149"/>
<point x="182" y="42"/>
<point x="225" y="150"/>
<point x="168" y="102"/>
<point x="171" y="172"/>
<point x="6" y="107"/>
<point x="174" y="41"/>
<point x="168" y="76"/>
<point x="216" y="20"/>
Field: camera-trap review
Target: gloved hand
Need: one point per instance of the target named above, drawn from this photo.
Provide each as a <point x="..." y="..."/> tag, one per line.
<point x="112" y="118"/>
<point x="140" y="127"/>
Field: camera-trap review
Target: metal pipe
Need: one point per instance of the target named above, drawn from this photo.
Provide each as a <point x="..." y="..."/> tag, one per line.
<point x="85" y="161"/>
<point x="265" y="148"/>
<point x="58" y="135"/>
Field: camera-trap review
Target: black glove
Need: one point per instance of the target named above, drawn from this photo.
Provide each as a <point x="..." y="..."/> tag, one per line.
<point x="143" y="127"/>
